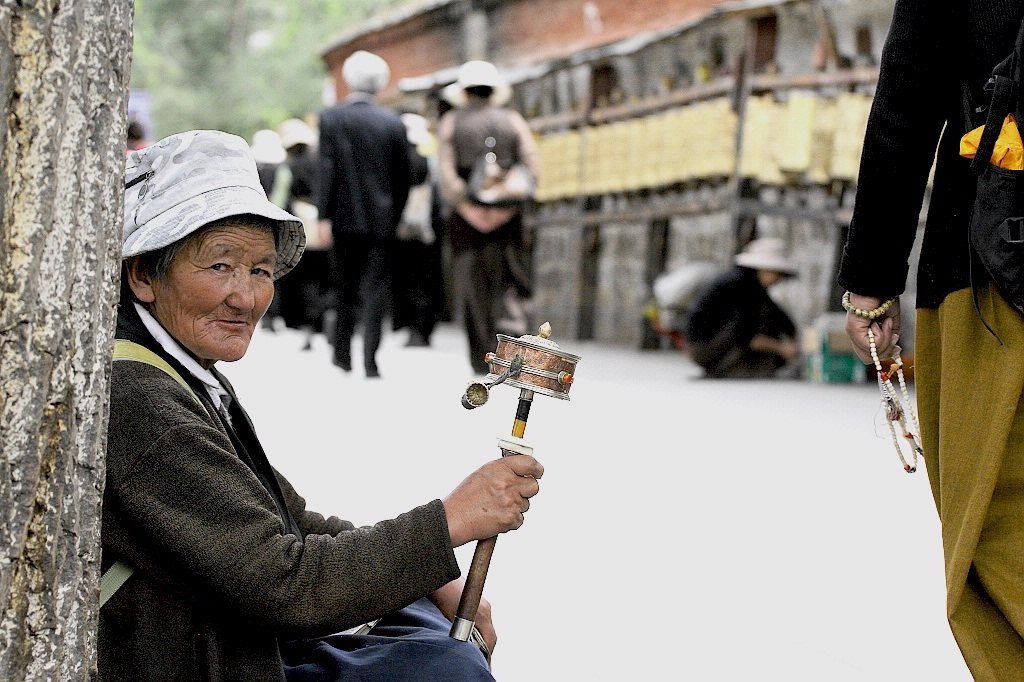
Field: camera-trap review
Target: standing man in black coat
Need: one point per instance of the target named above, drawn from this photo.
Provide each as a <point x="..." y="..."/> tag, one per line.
<point x="968" y="338"/>
<point x="365" y="181"/>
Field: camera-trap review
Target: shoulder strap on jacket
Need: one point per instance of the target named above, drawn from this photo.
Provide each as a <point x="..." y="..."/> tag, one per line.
<point x="112" y="579"/>
<point x="1005" y="86"/>
<point x="129" y="350"/>
<point x="115" y="576"/>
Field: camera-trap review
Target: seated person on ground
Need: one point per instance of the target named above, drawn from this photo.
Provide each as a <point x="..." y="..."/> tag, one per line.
<point x="735" y="329"/>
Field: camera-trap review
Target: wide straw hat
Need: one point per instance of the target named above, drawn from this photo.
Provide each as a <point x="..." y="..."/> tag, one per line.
<point x="188" y="180"/>
<point x="478" y="73"/>
<point x="767" y="253"/>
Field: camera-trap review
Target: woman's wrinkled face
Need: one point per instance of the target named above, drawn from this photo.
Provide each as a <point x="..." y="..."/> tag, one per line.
<point x="218" y="287"/>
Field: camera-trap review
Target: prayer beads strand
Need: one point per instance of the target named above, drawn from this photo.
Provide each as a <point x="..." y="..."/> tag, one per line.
<point x="897" y="405"/>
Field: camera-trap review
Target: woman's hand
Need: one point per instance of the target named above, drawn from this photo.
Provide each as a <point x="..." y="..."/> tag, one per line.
<point x="492" y="499"/>
<point x="886" y="328"/>
<point x="786" y="348"/>
<point x="447" y="598"/>
<point x="485" y="219"/>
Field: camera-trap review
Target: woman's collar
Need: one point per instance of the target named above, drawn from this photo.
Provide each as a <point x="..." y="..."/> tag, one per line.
<point x="174" y="349"/>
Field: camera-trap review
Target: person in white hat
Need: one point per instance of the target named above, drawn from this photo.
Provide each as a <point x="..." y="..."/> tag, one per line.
<point x="213" y="567"/>
<point x="735" y="328"/>
<point x="306" y="298"/>
<point x="489" y="256"/>
<point x="365" y="177"/>
<point x="269" y="154"/>
<point x="418" y="300"/>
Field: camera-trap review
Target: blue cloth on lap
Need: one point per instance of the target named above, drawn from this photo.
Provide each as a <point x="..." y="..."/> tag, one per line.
<point x="410" y="644"/>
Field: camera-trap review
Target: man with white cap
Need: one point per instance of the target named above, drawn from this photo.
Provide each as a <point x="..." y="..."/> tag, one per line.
<point x="213" y="567"/>
<point x="736" y="329"/>
<point x="365" y="179"/>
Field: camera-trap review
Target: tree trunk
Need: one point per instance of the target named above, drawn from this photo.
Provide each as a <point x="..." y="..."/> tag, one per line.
<point x="64" y="69"/>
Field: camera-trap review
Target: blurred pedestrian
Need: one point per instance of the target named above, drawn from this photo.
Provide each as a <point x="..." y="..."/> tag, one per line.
<point x="489" y="249"/>
<point x="365" y="181"/>
<point x="418" y="291"/>
<point x="969" y="343"/>
<point x="735" y="329"/>
<point x="269" y="155"/>
<point x="307" y="294"/>
<point x="136" y="136"/>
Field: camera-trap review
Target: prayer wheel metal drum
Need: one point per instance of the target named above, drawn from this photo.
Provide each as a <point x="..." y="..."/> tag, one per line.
<point x="546" y="369"/>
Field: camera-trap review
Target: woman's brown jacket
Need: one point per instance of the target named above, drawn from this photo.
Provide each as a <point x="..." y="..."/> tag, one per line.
<point x="217" y="580"/>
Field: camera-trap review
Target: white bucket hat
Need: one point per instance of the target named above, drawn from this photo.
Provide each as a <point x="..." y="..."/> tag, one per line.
<point x="767" y="253"/>
<point x="185" y="181"/>
<point x="266" y="147"/>
<point x="479" y="73"/>
<point x="295" y="131"/>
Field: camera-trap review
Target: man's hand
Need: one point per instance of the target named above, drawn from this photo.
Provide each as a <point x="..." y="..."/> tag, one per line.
<point x="886" y="328"/>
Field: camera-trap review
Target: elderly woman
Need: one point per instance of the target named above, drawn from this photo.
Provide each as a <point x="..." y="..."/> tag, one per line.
<point x="215" y="570"/>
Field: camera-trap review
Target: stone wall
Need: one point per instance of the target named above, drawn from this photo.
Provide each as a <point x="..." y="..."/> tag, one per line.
<point x="593" y="280"/>
<point x="560" y="261"/>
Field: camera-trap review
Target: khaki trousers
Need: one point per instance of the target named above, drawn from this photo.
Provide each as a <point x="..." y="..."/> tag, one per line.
<point x="972" y="423"/>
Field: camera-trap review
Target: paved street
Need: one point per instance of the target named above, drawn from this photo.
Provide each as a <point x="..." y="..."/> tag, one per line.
<point x="686" y="529"/>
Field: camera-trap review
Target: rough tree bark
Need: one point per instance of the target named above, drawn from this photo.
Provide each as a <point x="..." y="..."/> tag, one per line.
<point x="64" y="71"/>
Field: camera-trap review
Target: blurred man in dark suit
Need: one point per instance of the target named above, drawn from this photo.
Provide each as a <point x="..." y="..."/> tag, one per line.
<point x="365" y="181"/>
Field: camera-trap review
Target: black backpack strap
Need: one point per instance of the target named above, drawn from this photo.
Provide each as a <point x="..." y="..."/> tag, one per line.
<point x="1004" y="94"/>
<point x="1005" y="85"/>
<point x="1016" y="73"/>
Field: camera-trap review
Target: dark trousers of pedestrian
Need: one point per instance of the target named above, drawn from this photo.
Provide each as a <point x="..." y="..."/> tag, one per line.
<point x="741" y="363"/>
<point x="418" y="289"/>
<point x="363" y="267"/>
<point x="306" y="293"/>
<point x="484" y="267"/>
<point x="481" y="279"/>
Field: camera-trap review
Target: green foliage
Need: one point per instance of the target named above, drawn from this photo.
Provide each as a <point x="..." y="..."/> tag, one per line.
<point x="237" y="65"/>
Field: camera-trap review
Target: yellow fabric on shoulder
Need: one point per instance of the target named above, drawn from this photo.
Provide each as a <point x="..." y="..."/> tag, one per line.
<point x="1008" y="152"/>
<point x="129" y="350"/>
